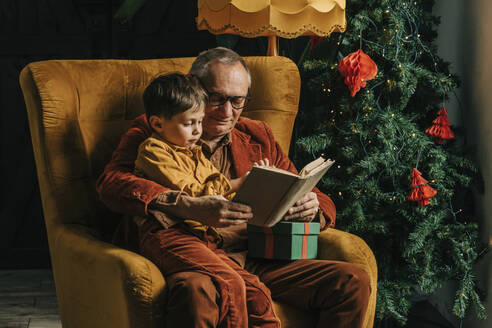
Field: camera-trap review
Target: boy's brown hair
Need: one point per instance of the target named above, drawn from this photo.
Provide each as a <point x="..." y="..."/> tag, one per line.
<point x="174" y="93"/>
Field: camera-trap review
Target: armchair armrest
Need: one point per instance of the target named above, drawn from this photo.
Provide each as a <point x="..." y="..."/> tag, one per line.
<point x="338" y="245"/>
<point x="129" y="288"/>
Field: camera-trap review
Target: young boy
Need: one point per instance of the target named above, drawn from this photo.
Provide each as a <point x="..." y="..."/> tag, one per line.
<point x="175" y="107"/>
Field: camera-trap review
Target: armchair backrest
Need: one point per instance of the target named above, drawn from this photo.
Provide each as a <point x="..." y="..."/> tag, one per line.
<point x="78" y="110"/>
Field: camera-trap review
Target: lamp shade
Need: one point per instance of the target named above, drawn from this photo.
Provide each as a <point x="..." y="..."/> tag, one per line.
<point x="284" y="18"/>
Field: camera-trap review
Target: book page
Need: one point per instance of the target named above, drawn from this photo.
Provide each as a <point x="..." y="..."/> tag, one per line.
<point x="299" y="189"/>
<point x="263" y="190"/>
<point x="320" y="167"/>
<point x="310" y="166"/>
<point x="275" y="169"/>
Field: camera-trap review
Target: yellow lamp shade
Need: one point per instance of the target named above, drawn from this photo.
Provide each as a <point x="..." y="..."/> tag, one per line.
<point x="284" y="18"/>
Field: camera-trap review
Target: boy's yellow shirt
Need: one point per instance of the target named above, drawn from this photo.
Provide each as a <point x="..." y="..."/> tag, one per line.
<point x="180" y="168"/>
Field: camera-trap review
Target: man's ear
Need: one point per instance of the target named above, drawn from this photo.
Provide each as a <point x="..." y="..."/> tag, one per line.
<point x="156" y="123"/>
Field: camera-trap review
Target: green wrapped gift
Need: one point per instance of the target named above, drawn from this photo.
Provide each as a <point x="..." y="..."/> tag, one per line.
<point x="285" y="240"/>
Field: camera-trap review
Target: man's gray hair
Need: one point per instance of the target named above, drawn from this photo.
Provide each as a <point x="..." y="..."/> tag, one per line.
<point x="201" y="65"/>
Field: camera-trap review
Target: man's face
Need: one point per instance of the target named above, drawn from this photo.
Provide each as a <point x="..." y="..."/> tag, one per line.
<point x="183" y="129"/>
<point x="224" y="81"/>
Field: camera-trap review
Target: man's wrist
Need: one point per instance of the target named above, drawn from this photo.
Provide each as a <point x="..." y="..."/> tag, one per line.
<point x="320" y="217"/>
<point x="172" y="202"/>
<point x="166" y="199"/>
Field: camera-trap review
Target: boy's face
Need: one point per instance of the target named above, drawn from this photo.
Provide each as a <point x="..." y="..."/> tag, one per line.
<point x="183" y="129"/>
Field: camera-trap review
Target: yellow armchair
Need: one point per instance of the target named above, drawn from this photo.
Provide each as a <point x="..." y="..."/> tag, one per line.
<point x="77" y="110"/>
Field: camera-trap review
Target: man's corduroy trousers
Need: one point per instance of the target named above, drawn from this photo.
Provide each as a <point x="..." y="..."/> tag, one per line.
<point x="208" y="289"/>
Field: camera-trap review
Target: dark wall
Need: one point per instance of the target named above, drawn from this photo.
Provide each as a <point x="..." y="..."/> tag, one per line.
<point x="33" y="30"/>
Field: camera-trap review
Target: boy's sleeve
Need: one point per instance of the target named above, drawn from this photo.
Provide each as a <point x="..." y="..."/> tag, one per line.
<point x="118" y="187"/>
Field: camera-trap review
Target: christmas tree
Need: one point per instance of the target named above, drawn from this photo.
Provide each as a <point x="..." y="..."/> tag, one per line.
<point x="369" y="95"/>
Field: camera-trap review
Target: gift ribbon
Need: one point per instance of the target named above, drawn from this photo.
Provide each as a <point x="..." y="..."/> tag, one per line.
<point x="268" y="242"/>
<point x="305" y="240"/>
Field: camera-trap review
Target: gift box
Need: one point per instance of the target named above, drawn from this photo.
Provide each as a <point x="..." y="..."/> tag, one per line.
<point x="285" y="240"/>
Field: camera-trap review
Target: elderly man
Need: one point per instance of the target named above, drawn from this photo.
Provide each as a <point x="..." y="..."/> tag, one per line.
<point x="338" y="291"/>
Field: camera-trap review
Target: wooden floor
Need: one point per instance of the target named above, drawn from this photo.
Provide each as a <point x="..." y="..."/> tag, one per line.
<point x="28" y="300"/>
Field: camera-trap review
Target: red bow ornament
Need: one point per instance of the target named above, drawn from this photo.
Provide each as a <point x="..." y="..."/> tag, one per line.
<point x="421" y="191"/>
<point x="440" y="129"/>
<point x="357" y="68"/>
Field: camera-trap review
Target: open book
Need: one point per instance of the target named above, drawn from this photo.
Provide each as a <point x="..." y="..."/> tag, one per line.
<point x="271" y="191"/>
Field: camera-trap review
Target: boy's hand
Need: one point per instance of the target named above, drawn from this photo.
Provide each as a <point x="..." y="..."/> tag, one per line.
<point x="263" y="162"/>
<point x="236" y="184"/>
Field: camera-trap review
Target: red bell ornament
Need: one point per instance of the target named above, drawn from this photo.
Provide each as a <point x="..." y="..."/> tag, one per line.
<point x="357" y="68"/>
<point x="440" y="129"/>
<point x="420" y="190"/>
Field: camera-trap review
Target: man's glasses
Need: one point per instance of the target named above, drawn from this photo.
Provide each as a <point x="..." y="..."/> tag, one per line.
<point x="219" y="99"/>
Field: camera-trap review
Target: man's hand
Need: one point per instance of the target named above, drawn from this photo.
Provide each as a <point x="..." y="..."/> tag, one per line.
<point x="215" y="211"/>
<point x="305" y="209"/>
